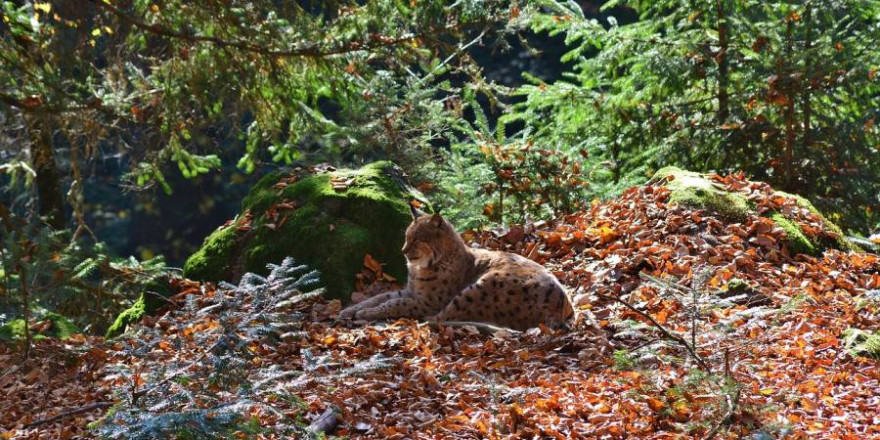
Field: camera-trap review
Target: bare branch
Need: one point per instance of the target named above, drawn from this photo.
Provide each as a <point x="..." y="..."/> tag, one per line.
<point x="72" y="412"/>
<point x="700" y="362"/>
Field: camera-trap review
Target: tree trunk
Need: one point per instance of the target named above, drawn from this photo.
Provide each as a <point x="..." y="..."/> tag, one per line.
<point x="789" y="170"/>
<point x="721" y="59"/>
<point x="805" y="95"/>
<point x="50" y="197"/>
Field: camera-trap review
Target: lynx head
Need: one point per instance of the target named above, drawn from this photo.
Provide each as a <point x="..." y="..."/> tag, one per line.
<point x="428" y="237"/>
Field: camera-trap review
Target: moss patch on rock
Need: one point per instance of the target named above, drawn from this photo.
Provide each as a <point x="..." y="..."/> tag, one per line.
<point x="61" y="328"/>
<point x="797" y="242"/>
<point x="697" y="191"/>
<point x="841" y="241"/>
<point x="694" y="190"/>
<point x="330" y="229"/>
<point x="128" y="316"/>
<point x="219" y="246"/>
<point x="149" y="301"/>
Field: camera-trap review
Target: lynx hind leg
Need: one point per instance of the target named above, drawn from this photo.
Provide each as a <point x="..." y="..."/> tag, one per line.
<point x="480" y="303"/>
<point x="551" y="304"/>
<point x="350" y="311"/>
<point x="469" y="305"/>
<point x="509" y="301"/>
<point x="402" y="305"/>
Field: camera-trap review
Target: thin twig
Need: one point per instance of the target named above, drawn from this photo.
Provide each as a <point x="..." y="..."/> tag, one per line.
<point x="72" y="412"/>
<point x="731" y="407"/>
<point x="702" y="364"/>
<point x="458" y="52"/>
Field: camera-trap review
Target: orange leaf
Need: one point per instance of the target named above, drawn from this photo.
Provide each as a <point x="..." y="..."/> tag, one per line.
<point x="372" y="264"/>
<point x="656" y="404"/>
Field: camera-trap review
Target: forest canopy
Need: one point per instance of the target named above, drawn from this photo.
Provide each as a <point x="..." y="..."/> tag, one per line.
<point x="781" y="90"/>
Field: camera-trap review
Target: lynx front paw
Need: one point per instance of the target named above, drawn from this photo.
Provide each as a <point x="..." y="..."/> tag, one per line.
<point x="349" y="312"/>
<point x="368" y="315"/>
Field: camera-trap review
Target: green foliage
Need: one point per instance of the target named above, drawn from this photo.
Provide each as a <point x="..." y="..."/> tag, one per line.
<point x="508" y="179"/>
<point x="623" y="360"/>
<point x="360" y="78"/>
<point x="862" y="343"/>
<point x="70" y="276"/>
<point x="785" y="91"/>
<point x="211" y="393"/>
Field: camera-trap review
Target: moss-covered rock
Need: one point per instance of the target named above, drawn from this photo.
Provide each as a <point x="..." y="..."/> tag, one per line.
<point x="797" y="242"/>
<point x="60" y="328"/>
<point x="841" y="242"/>
<point x="329" y="221"/>
<point x="696" y="190"/>
<point x="150" y="300"/>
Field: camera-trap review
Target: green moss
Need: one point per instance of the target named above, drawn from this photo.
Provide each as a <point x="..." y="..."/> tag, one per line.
<point x="329" y="230"/>
<point x="61" y="328"/>
<point x="796" y="242"/>
<point x="862" y="343"/>
<point x="262" y="195"/>
<point x="841" y="241"/>
<point x="12" y="330"/>
<point x="130" y="315"/>
<point x="150" y="300"/>
<point x="694" y="190"/>
<point x="219" y="246"/>
<point x="738" y="285"/>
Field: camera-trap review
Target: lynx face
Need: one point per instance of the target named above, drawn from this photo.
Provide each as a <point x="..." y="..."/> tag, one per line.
<point x="427" y="237"/>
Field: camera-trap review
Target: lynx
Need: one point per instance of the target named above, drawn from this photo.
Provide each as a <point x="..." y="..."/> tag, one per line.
<point x="449" y="281"/>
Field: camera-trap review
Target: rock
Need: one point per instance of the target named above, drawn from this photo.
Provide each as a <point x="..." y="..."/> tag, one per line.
<point x="53" y="326"/>
<point x="698" y="191"/>
<point x="147" y="304"/>
<point x="329" y="220"/>
<point x="694" y="190"/>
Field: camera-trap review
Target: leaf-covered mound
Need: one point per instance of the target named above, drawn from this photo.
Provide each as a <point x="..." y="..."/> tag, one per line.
<point x="773" y="332"/>
<point x="734" y="199"/>
<point x="327" y="218"/>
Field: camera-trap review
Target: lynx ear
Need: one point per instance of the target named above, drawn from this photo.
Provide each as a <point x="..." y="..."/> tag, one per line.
<point x="414" y="211"/>
<point x="436" y="220"/>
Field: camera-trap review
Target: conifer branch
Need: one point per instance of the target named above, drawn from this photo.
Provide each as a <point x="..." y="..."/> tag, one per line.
<point x="309" y="50"/>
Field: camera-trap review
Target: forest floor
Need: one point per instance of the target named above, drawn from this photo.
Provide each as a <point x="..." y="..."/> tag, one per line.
<point x="714" y="332"/>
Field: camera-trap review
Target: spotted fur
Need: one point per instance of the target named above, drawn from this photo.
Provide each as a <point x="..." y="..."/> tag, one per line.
<point x="449" y="281"/>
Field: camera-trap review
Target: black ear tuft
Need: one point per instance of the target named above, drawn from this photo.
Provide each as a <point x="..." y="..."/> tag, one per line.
<point x="436" y="220"/>
<point x="414" y="211"/>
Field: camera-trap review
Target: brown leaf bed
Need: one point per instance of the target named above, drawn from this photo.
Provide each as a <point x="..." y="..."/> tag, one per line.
<point x="777" y="368"/>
